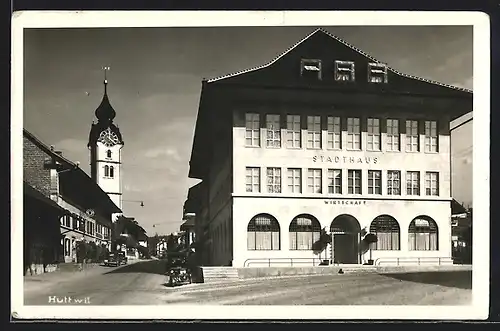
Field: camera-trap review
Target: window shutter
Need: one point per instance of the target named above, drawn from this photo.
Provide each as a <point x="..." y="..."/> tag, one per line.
<point x="421" y="127"/>
<point x="383" y="125"/>
<point x="343" y="123"/>
<point x="363" y="123"/>
<point x="402" y="125"/>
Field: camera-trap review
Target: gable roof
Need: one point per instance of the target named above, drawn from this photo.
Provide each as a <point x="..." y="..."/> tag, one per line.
<point x="48" y="149"/>
<point x="321" y="30"/>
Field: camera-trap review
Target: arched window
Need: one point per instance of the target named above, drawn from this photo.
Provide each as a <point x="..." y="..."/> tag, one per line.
<point x="108" y="153"/>
<point x="263" y="233"/>
<point x="423" y="234"/>
<point x="304" y="231"/>
<point x="386" y="228"/>
<point x="111" y="171"/>
<point x="106" y="171"/>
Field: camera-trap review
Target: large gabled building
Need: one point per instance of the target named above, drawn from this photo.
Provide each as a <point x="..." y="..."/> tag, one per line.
<point x="324" y="137"/>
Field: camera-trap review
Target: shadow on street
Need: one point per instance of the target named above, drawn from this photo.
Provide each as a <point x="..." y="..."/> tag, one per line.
<point x="457" y="279"/>
<point x="150" y="267"/>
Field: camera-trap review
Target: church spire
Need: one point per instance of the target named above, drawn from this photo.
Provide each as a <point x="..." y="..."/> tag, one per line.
<point x="105" y="112"/>
<point x="105" y="80"/>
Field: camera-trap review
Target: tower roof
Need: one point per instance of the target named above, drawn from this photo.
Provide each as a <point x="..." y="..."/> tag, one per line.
<point x="105" y="115"/>
<point x="105" y="111"/>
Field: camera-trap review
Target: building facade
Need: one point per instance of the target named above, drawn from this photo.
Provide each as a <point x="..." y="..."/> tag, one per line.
<point x="49" y="174"/>
<point x="325" y="137"/>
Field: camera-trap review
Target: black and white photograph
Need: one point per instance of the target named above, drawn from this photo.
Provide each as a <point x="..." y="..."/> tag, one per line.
<point x="286" y="165"/>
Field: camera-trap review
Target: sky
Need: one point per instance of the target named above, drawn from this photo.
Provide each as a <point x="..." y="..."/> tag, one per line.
<point x="154" y="86"/>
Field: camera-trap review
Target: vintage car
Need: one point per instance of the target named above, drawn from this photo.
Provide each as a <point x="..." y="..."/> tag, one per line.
<point x="112" y="260"/>
<point x="177" y="269"/>
<point x="178" y="276"/>
<point x="123" y="258"/>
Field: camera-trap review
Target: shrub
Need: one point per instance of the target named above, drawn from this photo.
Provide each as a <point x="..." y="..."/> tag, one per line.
<point x="81" y="251"/>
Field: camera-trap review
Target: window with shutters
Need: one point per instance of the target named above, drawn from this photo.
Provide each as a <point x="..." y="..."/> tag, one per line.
<point x="392" y="137"/>
<point x="314" y="132"/>
<point x="431" y="136"/>
<point x="412" y="144"/>
<point x="353" y="134"/>
<point x="293" y="131"/>
<point x="334" y="133"/>
<point x="273" y="131"/>
<point x="373" y="134"/>
<point x="252" y="130"/>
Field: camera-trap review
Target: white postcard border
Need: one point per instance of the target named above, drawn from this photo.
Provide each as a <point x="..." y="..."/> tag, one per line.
<point x="481" y="139"/>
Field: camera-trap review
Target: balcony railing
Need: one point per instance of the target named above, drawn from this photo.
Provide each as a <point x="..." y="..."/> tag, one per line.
<point x="400" y="261"/>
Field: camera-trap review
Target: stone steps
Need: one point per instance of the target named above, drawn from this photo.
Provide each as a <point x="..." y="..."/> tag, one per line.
<point x="215" y="274"/>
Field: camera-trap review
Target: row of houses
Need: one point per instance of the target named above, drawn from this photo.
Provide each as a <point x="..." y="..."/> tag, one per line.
<point x="62" y="207"/>
<point x="70" y="216"/>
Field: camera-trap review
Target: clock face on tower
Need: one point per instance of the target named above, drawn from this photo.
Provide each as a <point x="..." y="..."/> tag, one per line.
<point x="108" y="138"/>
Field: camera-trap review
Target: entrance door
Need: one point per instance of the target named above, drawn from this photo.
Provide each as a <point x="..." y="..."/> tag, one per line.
<point x="346" y="238"/>
<point x="345" y="248"/>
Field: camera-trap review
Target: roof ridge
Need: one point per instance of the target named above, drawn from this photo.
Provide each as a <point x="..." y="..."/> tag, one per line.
<point x="280" y="55"/>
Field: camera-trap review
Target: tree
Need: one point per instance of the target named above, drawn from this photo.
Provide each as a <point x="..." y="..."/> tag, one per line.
<point x="81" y="251"/>
<point x="172" y="243"/>
<point x="370" y="238"/>
<point x="324" y="240"/>
<point x="152" y="243"/>
<point x="129" y="226"/>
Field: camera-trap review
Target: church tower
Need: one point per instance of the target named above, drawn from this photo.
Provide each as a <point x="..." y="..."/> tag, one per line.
<point x="105" y="145"/>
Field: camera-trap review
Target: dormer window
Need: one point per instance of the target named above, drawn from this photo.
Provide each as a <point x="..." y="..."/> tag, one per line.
<point x="377" y="73"/>
<point x="310" y="68"/>
<point x="344" y="71"/>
